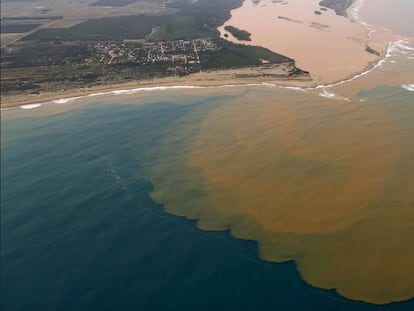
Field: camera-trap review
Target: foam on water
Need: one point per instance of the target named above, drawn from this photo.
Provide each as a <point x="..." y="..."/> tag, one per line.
<point x="66" y="100"/>
<point x="30" y="106"/>
<point x="331" y="95"/>
<point x="326" y="94"/>
<point x="392" y="47"/>
<point x="408" y="87"/>
<point x="62" y="101"/>
<point x="355" y="14"/>
<point x="155" y="89"/>
<point x="295" y="88"/>
<point x="97" y="94"/>
<point x="400" y="46"/>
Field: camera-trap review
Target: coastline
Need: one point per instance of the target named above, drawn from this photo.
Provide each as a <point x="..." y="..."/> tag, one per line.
<point x="210" y="79"/>
<point x="203" y="80"/>
<point x="352" y="10"/>
<point x="256" y="75"/>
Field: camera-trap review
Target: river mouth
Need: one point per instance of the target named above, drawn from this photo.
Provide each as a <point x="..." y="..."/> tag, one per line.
<point x="329" y="46"/>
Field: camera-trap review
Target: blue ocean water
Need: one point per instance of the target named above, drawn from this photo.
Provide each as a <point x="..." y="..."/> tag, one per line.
<point x="79" y="230"/>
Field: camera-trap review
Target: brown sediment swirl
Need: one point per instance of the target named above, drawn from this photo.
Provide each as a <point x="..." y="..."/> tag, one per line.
<point x="329" y="186"/>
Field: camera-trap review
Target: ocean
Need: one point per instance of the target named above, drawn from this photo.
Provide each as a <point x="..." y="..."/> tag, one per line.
<point x="233" y="198"/>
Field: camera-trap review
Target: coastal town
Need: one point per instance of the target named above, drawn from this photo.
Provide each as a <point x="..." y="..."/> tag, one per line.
<point x="181" y="55"/>
<point x="176" y="51"/>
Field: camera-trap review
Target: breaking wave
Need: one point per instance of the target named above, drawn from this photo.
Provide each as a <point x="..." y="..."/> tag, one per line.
<point x="30" y="106"/>
<point x="408" y="87"/>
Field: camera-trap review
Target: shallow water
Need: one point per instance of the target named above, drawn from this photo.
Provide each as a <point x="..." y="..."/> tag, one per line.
<point x="392" y="15"/>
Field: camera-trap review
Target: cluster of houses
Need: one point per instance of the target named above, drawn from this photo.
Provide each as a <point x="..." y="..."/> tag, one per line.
<point x="179" y="54"/>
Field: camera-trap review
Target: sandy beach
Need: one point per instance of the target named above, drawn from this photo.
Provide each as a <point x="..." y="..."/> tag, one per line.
<point x="240" y="76"/>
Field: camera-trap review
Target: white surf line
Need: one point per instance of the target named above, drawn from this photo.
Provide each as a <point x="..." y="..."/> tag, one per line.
<point x="29" y="106"/>
<point x="355" y="16"/>
<point x="152" y="89"/>
<point x="355" y="10"/>
<point x="393" y="46"/>
<point x="295" y="88"/>
<point x="67" y="100"/>
<point x="390" y="49"/>
<point x="408" y="87"/>
<point x="326" y="94"/>
<point x="406" y="47"/>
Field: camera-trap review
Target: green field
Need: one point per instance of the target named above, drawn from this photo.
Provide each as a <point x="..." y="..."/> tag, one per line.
<point x="192" y="20"/>
<point x="238" y="55"/>
<point x="110" y="28"/>
<point x="18" y="28"/>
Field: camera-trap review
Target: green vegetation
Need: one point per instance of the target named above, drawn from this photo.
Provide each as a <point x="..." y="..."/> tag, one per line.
<point x="372" y="51"/>
<point x="28" y="18"/>
<point x="180" y="26"/>
<point x="117" y="3"/>
<point x="15" y="0"/>
<point x="207" y="13"/>
<point x="240" y="34"/>
<point x="18" y="28"/>
<point x="42" y="54"/>
<point x="340" y="6"/>
<point x="109" y="28"/>
<point x="238" y="55"/>
<point x="35" y="80"/>
<point x="192" y="20"/>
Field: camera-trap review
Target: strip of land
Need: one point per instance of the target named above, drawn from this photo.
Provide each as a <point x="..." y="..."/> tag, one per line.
<point x="281" y="74"/>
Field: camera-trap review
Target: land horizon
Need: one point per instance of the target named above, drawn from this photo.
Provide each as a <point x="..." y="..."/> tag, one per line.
<point x="209" y="77"/>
